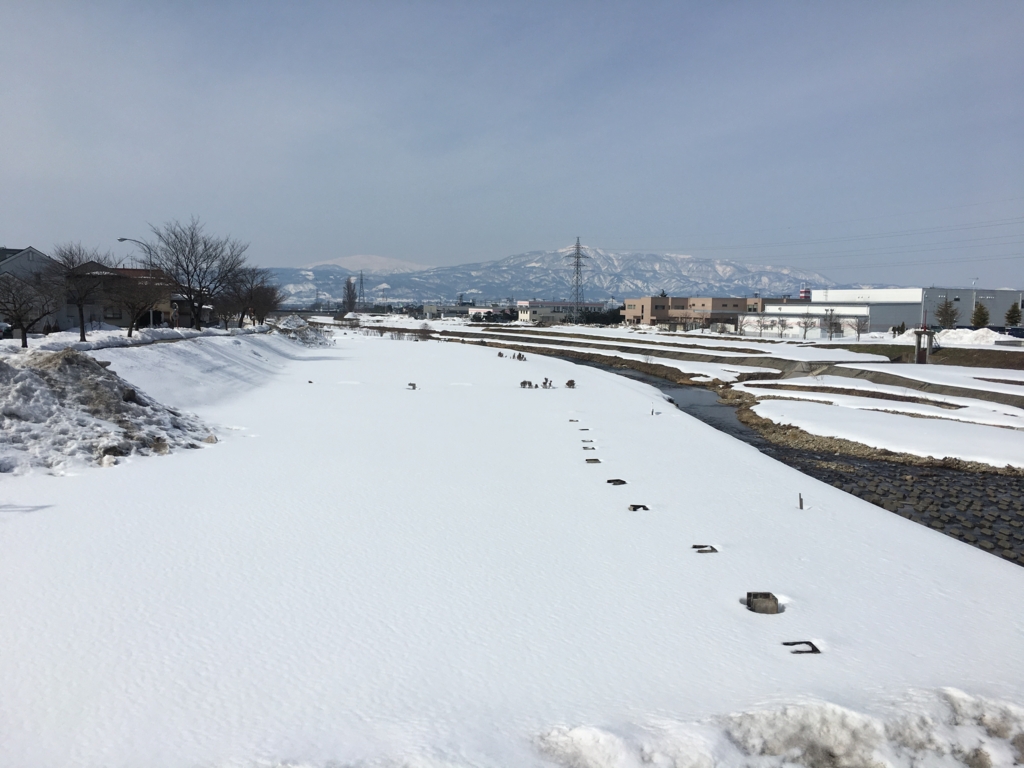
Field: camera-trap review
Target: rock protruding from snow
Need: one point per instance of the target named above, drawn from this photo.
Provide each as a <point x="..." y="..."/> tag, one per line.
<point x="63" y="408"/>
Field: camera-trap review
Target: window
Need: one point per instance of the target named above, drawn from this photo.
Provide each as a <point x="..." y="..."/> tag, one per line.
<point x="111" y="313"/>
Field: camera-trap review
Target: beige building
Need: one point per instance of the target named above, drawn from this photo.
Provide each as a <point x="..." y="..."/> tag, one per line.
<point x="688" y="312"/>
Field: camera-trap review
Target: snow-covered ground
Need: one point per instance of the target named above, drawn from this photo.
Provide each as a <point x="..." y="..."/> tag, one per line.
<point x="360" y="573"/>
<point x="700" y="371"/>
<point x="1009" y="381"/>
<point x="714" y="344"/>
<point x="936" y="436"/>
<point x="966" y="428"/>
<point x="873" y="396"/>
<point x="110" y="336"/>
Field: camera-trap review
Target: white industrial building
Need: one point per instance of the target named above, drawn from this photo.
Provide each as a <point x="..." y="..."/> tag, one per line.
<point x="880" y="309"/>
<point x="553" y="312"/>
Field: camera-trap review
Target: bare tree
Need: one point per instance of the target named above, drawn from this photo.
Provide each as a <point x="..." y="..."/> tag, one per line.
<point x="806" y="322"/>
<point x="783" y="324"/>
<point x="349" y="298"/>
<point x="200" y="266"/>
<point x="763" y="322"/>
<point x="265" y="299"/>
<point x="858" y="325"/>
<point x="26" y="300"/>
<point x="257" y="293"/>
<point x="137" y="294"/>
<point x="81" y="272"/>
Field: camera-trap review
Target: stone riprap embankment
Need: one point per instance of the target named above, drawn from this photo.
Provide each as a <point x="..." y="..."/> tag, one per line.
<point x="983" y="509"/>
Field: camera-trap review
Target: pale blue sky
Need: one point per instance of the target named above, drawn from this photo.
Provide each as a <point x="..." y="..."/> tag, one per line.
<point x="442" y="133"/>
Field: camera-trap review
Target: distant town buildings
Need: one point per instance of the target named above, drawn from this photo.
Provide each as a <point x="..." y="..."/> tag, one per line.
<point x="105" y="307"/>
<point x="818" y="313"/>
<point x="554" y="312"/>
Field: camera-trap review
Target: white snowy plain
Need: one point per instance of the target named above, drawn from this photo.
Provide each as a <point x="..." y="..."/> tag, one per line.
<point x="364" y="574"/>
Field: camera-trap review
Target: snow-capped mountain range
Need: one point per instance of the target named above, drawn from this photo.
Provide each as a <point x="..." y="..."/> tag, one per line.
<point x="548" y="275"/>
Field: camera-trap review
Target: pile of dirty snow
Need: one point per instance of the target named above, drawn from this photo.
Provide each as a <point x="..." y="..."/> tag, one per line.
<point x="297" y="329"/>
<point x="64" y="408"/>
<point x="941" y="728"/>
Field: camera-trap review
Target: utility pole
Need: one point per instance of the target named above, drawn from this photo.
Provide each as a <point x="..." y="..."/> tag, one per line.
<point x="577" y="257"/>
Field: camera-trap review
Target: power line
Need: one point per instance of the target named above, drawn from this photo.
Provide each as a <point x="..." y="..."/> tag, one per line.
<point x="851" y="221"/>
<point x="931" y="261"/>
<point x="904" y="249"/>
<point x="853" y="238"/>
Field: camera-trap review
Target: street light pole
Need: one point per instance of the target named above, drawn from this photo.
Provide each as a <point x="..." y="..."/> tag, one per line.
<point x="149" y="253"/>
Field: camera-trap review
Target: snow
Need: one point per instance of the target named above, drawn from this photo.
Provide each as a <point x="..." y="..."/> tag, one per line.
<point x="61" y="412"/>
<point x="715" y="344"/>
<point x="115" y="337"/>
<point x="966" y="409"/>
<point x="362" y="574"/>
<point x="936" y="437"/>
<point x="960" y="337"/>
<point x="1002" y="380"/>
<point x="700" y="371"/>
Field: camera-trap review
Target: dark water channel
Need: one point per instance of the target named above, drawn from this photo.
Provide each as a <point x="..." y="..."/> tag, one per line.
<point x="983" y="509"/>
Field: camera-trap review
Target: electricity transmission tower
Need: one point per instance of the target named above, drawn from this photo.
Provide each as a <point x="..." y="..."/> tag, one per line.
<point x="362" y="297"/>
<point x="577" y="257"/>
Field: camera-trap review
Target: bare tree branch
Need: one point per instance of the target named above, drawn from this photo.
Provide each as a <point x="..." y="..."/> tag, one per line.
<point x="858" y="325"/>
<point x="202" y="267"/>
<point x="81" y="272"/>
<point x="26" y="300"/>
<point x="137" y="292"/>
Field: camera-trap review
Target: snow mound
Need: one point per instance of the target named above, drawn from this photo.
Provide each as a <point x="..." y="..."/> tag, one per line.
<point x="64" y="408"/>
<point x="943" y="728"/>
<point x="297" y="329"/>
<point x="292" y="323"/>
<point x="105" y="339"/>
<point x="982" y="336"/>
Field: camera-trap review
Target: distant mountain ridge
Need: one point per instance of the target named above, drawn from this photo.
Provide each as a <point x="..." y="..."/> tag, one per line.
<point x="548" y="274"/>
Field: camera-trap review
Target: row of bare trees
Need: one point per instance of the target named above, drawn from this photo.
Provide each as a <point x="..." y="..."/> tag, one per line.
<point x="831" y="323"/>
<point x="183" y="263"/>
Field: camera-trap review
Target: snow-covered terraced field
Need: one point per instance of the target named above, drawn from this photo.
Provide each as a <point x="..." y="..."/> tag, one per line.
<point x="362" y="573"/>
<point x="1009" y="381"/>
<point x="935" y="406"/>
<point x="701" y="371"/>
<point x="903" y="430"/>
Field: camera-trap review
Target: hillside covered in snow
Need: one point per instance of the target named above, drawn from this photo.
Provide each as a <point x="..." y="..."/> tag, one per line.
<point x="547" y="275"/>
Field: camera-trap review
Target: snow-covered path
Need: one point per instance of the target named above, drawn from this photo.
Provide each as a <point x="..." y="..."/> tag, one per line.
<point x="360" y="571"/>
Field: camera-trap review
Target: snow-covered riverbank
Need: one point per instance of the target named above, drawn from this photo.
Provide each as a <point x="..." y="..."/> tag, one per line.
<point x="364" y="573"/>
